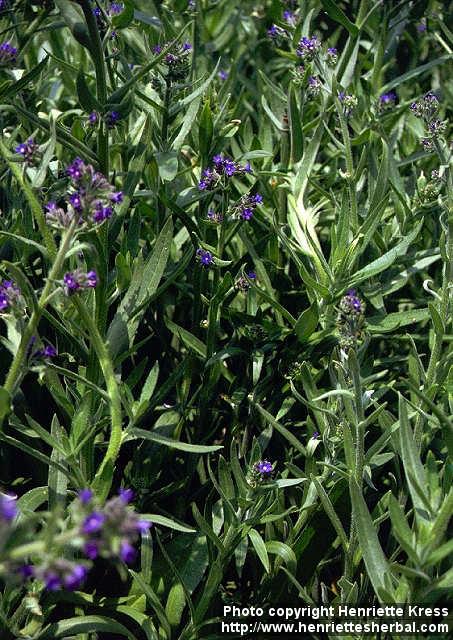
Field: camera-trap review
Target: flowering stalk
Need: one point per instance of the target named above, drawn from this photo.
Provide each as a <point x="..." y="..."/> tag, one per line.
<point x="445" y="302"/>
<point x="104" y="475"/>
<point x="17" y="363"/>
<point x="32" y="202"/>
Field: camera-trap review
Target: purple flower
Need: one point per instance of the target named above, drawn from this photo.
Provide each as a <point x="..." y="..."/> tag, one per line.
<point x="315" y="435"/>
<point x="75" y="280"/>
<point x="186" y="46"/>
<point x="127" y="552"/>
<point x="351" y="304"/>
<point x="421" y="27"/>
<point x="85" y="496"/>
<point x="8" y="508"/>
<point x="97" y="12"/>
<point x="75" y="579"/>
<point x="223" y="74"/>
<point x="308" y="47"/>
<point x="263" y="468"/>
<point x="8" y="54"/>
<point x="157" y="49"/>
<point x="143" y="526"/>
<point x="314" y="86"/>
<point x="48" y="352"/>
<point x="29" y="151"/>
<point x="205" y="258"/>
<point x="112" y="118"/>
<point x="387" y="100"/>
<point x="288" y="16"/>
<point x="10" y="296"/>
<point x="91" y="549"/>
<point x="93" y="118"/>
<point x="77" y="169"/>
<point x="93" y="522"/>
<point x="245" y="207"/>
<point x="126" y="495"/>
<point x="52" y="581"/>
<point x="116" y="8"/>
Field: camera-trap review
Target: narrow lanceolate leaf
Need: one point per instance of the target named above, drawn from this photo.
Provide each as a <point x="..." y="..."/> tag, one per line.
<point x="413" y="468"/>
<point x="145" y="280"/>
<point x="375" y="561"/>
<point x="169" y="442"/>
<point x="260" y="548"/>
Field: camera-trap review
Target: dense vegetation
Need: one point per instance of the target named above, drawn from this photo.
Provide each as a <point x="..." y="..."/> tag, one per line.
<point x="226" y="244"/>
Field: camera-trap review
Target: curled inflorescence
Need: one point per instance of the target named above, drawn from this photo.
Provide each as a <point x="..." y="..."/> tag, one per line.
<point x="222" y="170"/>
<point x="110" y="531"/>
<point x="308" y="47"/>
<point x="10" y="297"/>
<point x="8" y="54"/>
<point x="74" y="281"/>
<point x="90" y="199"/>
<point x="350" y="319"/>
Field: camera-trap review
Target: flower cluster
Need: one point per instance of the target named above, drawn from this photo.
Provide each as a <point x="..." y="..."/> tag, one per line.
<point x="387" y="101"/>
<point x="223" y="168"/>
<point x="260" y="472"/>
<point x="58" y="574"/>
<point x="91" y="197"/>
<point x="427" y="108"/>
<point x="28" y="150"/>
<point x="242" y="283"/>
<point x="331" y="56"/>
<point x="204" y="257"/>
<point x="74" y="281"/>
<point x="176" y="60"/>
<point x="215" y="217"/>
<point x="428" y="190"/>
<point x="8" y="54"/>
<point x="276" y="33"/>
<point x="307" y="48"/>
<point x="350" y="319"/>
<point x="314" y="86"/>
<point x="110" y="531"/>
<point x="10" y="296"/>
<point x="246" y="206"/>
<point x="115" y="8"/>
<point x="349" y="103"/>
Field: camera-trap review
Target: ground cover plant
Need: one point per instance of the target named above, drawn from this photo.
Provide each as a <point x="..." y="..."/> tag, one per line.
<point x="226" y="245"/>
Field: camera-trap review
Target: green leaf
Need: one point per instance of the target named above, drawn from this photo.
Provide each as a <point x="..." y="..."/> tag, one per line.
<point x="167" y="163"/>
<point x="83" y="624"/>
<point x="295" y="127"/>
<point x="392" y="321"/>
<point x="307" y="323"/>
<point x="191" y="341"/>
<point x="334" y="11"/>
<point x="86" y="97"/>
<point x="145" y="280"/>
<point x="284" y="551"/>
<point x="329" y="509"/>
<point x="375" y="561"/>
<point x="260" y="548"/>
<point x="154" y="601"/>
<point x="413" y="467"/>
<point x="134" y="433"/>
<point x="413" y="73"/>
<point x="388" y="258"/>
<point x="166" y="522"/>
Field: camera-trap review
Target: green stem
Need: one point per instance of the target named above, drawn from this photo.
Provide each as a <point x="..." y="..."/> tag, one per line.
<point x="97" y="55"/>
<point x="18" y="361"/>
<point x="32" y="202"/>
<point x="104" y="476"/>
